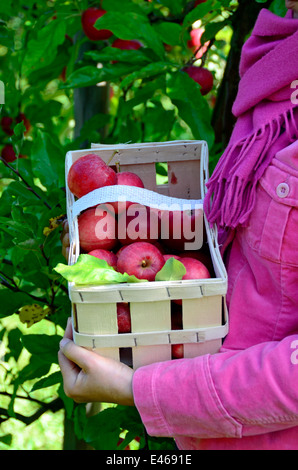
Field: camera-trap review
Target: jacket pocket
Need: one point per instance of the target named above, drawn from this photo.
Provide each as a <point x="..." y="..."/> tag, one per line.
<point x="273" y="227"/>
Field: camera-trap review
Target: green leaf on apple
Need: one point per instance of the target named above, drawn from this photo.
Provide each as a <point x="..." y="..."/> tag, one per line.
<point x="172" y="270"/>
<point x="91" y="270"/>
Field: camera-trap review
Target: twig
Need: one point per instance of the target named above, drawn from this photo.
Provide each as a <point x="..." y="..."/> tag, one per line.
<point x="25" y="182"/>
<point x="53" y="406"/>
<point x="5" y="282"/>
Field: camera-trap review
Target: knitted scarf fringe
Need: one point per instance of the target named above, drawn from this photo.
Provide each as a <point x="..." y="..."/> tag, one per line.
<point x="232" y="187"/>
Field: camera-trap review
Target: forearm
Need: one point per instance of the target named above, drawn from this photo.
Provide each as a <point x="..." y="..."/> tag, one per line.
<point x="230" y="394"/>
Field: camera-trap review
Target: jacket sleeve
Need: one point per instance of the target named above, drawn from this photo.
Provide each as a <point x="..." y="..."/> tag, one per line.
<point x="229" y="394"/>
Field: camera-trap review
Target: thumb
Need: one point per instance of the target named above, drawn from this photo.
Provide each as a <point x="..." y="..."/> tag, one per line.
<point x="75" y="353"/>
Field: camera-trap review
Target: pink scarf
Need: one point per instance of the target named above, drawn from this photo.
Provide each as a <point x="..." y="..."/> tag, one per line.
<point x="267" y="118"/>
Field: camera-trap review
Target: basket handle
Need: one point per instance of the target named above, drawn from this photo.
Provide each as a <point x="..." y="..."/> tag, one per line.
<point x="134" y="194"/>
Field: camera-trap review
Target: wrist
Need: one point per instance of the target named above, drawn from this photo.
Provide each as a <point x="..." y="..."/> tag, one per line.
<point x="123" y="391"/>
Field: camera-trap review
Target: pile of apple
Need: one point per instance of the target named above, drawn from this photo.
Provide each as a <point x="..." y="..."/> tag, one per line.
<point x="103" y="234"/>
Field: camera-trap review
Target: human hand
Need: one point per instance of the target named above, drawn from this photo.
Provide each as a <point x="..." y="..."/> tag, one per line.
<point x="293" y="5"/>
<point x="89" y="377"/>
<point x="65" y="239"/>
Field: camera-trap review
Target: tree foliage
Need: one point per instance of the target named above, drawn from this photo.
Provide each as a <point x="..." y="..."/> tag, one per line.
<point x="45" y="60"/>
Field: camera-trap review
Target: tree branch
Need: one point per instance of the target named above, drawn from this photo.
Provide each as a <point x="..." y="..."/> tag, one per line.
<point x="242" y="21"/>
<point x="16" y="172"/>
<point x="53" y="406"/>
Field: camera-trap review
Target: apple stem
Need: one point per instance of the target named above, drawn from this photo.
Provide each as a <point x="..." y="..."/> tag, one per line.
<point x="113" y="155"/>
<point x="144" y="263"/>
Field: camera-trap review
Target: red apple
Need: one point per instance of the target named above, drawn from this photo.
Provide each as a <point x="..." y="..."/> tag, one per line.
<point x="199" y="255"/>
<point x="120" y="250"/>
<point x="123" y="317"/>
<point x="8" y="153"/>
<point x="195" y="42"/>
<point x="6" y="123"/>
<point x="106" y="255"/>
<point x="89" y="17"/>
<point x="22" y="118"/>
<point x="126" y="44"/>
<point x="202" y="76"/>
<point x="126" y="178"/>
<point x="140" y="259"/>
<point x="88" y="173"/>
<point x="138" y="223"/>
<point x="194" y="269"/>
<point x="177" y="351"/>
<point x="198" y="2"/>
<point x="179" y="228"/>
<point x="97" y="229"/>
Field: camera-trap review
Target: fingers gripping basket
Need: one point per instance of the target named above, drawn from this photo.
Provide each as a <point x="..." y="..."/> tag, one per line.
<point x="204" y="314"/>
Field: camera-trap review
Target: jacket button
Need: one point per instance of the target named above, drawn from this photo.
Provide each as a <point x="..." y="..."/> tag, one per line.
<point x="282" y="190"/>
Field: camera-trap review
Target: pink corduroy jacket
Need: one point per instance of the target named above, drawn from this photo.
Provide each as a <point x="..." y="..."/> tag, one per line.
<point x="246" y="396"/>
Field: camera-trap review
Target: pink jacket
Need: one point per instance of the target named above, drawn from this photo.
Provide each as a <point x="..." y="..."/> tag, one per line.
<point x="246" y="396"/>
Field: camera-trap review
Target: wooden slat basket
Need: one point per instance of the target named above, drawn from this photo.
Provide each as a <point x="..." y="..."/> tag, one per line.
<point x="204" y="313"/>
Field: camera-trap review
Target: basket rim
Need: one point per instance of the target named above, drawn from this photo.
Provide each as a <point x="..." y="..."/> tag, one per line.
<point x="152" y="338"/>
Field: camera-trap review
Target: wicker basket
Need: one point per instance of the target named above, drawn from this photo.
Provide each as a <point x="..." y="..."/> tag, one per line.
<point x="204" y="313"/>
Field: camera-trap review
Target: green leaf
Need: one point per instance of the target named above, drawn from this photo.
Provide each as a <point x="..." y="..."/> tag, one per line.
<point x="145" y="92"/>
<point x="161" y="169"/>
<point x="18" y="137"/>
<point x="278" y="7"/>
<point x="148" y="71"/>
<point x="200" y="11"/>
<point x="130" y="25"/>
<point x="6" y="37"/>
<point x="192" y="106"/>
<point x="170" y="33"/>
<point x="121" y="6"/>
<point x="173" y="270"/>
<point x="43" y="347"/>
<point x="48" y="381"/>
<point x="91" y="270"/>
<point x="175" y="6"/>
<point x="47" y="160"/>
<point x="14" y="344"/>
<point x="42" y="50"/>
<point x="114" y="54"/>
<point x="84" y="76"/>
<point x="6" y="439"/>
<point x="164" y="118"/>
<point x="211" y="30"/>
<point x="33" y="370"/>
<point x="102" y="430"/>
<point x="11" y="301"/>
<point x="15" y="229"/>
<point x="91" y="75"/>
